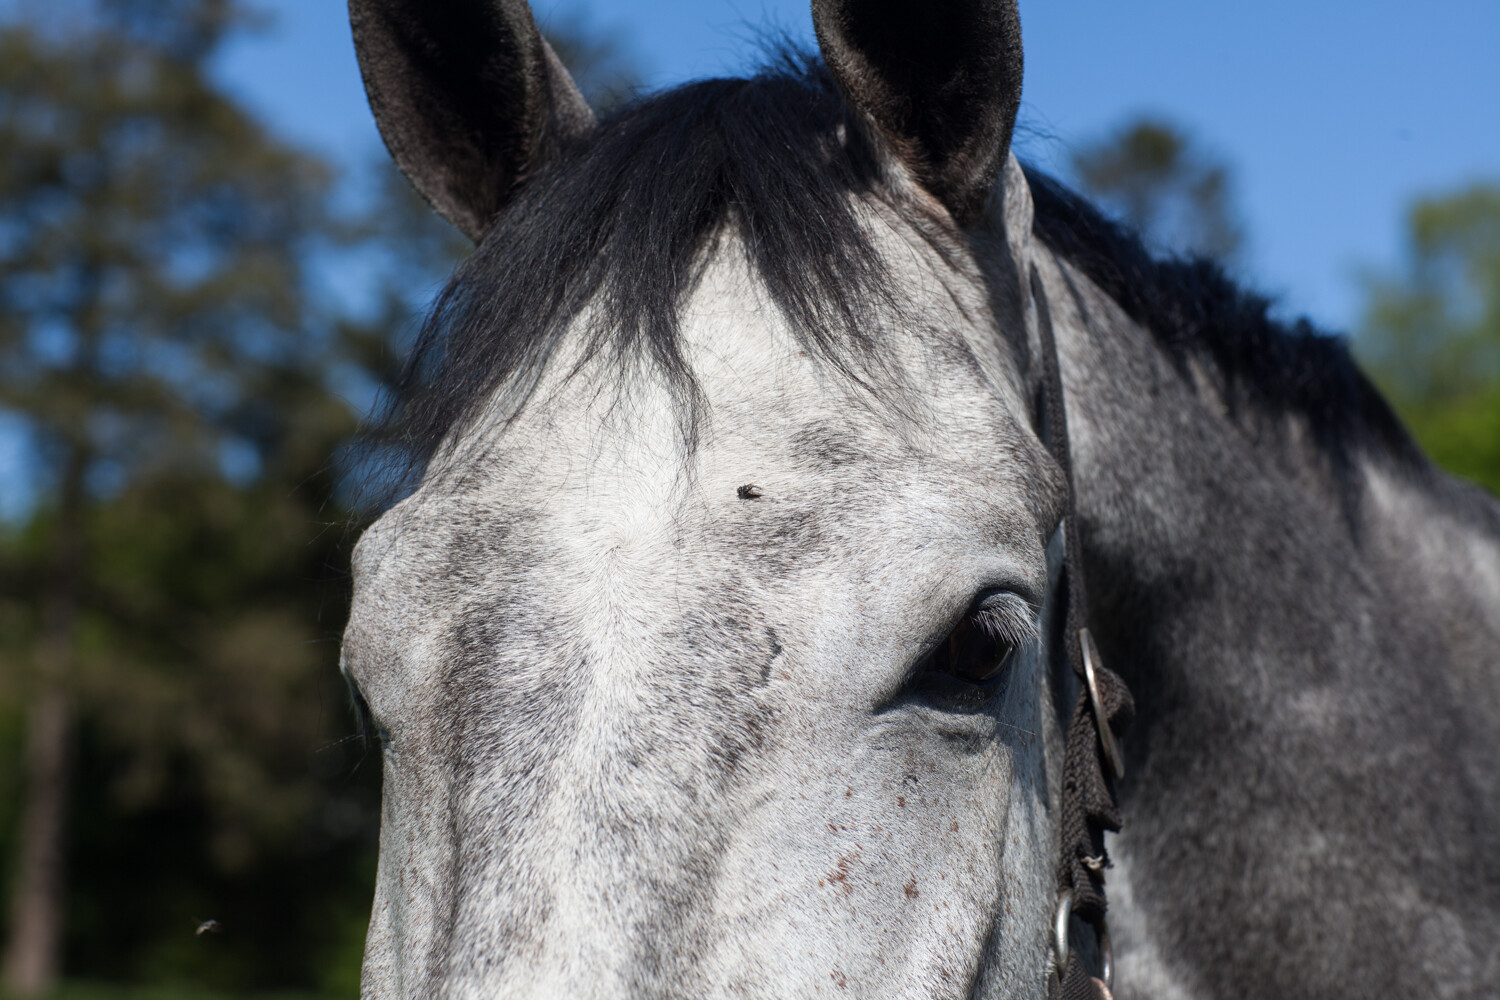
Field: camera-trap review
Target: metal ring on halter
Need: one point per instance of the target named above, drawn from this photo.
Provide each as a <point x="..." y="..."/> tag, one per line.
<point x="1060" y="930"/>
<point x="1106" y="735"/>
<point x="1106" y="960"/>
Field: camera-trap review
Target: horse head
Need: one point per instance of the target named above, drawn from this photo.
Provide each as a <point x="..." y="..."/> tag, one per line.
<point x="712" y="655"/>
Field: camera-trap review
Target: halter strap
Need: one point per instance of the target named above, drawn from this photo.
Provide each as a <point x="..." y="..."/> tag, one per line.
<point x="1092" y="761"/>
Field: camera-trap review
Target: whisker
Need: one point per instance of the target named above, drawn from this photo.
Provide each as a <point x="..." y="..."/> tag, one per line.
<point x="331" y="744"/>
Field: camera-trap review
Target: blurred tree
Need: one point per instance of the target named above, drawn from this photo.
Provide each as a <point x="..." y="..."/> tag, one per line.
<point x="152" y="309"/>
<point x="169" y="610"/>
<point x="1155" y="177"/>
<point x="1431" y="333"/>
<point x="600" y="64"/>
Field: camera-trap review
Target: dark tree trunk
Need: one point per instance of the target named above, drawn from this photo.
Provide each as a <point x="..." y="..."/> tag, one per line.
<point x="33" y="954"/>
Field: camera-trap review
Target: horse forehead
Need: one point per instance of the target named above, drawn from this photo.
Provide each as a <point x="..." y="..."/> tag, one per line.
<point x="793" y="464"/>
<point x="607" y="446"/>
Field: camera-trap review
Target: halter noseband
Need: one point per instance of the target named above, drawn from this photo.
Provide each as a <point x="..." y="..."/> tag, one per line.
<point x="1092" y="760"/>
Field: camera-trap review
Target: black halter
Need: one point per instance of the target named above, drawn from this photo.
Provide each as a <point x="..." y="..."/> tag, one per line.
<point x="1092" y="761"/>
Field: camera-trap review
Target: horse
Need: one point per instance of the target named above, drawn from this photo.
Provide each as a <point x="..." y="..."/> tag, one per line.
<point x="805" y="496"/>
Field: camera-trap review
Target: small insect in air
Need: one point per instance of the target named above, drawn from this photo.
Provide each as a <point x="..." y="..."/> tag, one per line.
<point x="749" y="492"/>
<point x="208" y="927"/>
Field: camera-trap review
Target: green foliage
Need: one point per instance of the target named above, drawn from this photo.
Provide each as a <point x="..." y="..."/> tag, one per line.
<point x="112" y="991"/>
<point x="182" y="579"/>
<point x="151" y="252"/>
<point x="1157" y="178"/>
<point x="1431" y="334"/>
<point x="163" y="349"/>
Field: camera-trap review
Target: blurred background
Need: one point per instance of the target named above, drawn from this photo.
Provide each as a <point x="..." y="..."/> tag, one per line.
<point x="208" y="273"/>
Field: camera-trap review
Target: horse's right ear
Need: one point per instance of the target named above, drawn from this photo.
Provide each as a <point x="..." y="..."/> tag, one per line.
<point x="939" y="80"/>
<point x="469" y="97"/>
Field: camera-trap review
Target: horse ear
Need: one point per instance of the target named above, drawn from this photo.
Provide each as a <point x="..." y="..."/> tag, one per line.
<point x="1018" y="212"/>
<point x="940" y="81"/>
<point x="469" y="97"/>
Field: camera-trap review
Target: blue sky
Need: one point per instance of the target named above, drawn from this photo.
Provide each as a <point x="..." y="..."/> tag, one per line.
<point x="1334" y="114"/>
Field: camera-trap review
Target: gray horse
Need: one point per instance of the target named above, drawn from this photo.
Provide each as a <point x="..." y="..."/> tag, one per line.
<point x="721" y="647"/>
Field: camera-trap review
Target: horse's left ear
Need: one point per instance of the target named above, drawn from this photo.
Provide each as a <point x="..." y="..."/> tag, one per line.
<point x="940" y="81"/>
<point x="469" y="97"/>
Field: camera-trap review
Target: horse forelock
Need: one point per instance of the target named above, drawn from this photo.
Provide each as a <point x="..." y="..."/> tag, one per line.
<point x="618" y="226"/>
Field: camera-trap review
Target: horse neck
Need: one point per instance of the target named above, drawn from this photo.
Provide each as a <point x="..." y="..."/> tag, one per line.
<point x="1312" y="648"/>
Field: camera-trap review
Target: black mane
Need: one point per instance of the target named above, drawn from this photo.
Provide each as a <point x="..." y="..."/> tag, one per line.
<point x="618" y="223"/>
<point x="1193" y="309"/>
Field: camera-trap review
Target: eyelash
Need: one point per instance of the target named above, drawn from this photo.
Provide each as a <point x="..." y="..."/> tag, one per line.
<point x="979" y="649"/>
<point x="372" y="735"/>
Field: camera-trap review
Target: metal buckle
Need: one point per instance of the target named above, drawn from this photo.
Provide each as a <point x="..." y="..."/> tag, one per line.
<point x="1104" y="983"/>
<point x="1060" y="931"/>
<point x="1106" y="735"/>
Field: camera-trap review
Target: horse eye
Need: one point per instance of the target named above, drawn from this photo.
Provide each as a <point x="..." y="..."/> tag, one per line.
<point x="980" y="648"/>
